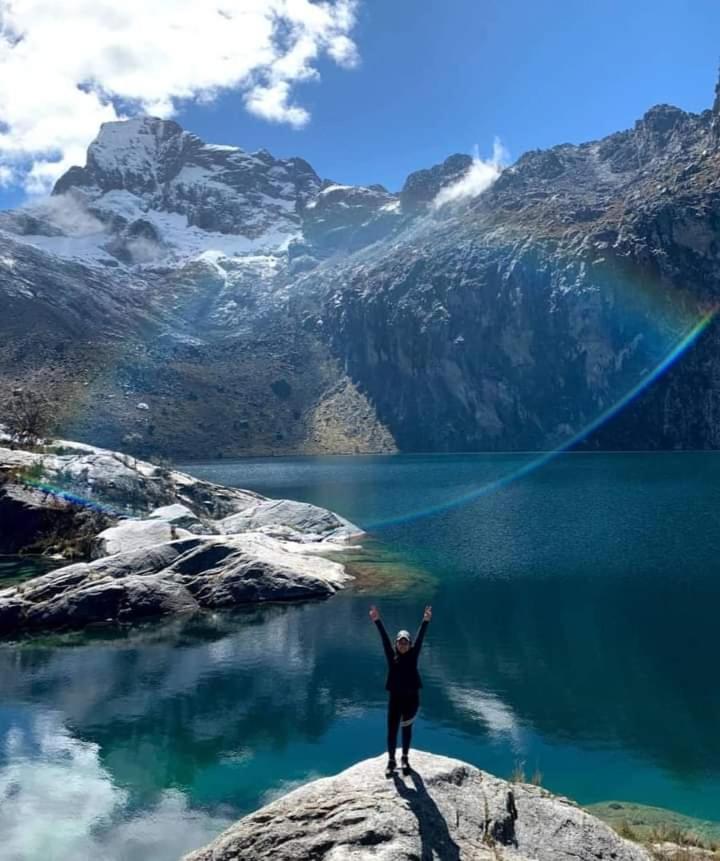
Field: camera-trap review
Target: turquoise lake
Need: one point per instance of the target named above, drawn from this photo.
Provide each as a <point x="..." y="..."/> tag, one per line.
<point x="575" y="633"/>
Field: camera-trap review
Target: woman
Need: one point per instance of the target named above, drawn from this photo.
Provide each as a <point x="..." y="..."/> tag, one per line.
<point x="403" y="682"/>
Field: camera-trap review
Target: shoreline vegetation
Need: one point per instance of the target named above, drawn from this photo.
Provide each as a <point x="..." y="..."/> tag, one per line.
<point x="658" y="826"/>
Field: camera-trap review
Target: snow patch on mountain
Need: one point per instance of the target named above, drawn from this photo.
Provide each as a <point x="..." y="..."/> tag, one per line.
<point x="88" y="249"/>
<point x="179" y="242"/>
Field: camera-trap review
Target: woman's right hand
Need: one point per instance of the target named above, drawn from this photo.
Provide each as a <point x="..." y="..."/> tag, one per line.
<point x="374" y="615"/>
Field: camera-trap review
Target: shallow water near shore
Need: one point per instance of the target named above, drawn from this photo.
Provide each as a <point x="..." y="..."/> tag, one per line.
<point x="574" y="634"/>
<point x="16" y="569"/>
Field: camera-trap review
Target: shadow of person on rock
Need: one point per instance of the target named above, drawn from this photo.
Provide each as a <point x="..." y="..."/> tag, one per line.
<point x="504" y="830"/>
<point x="434" y="833"/>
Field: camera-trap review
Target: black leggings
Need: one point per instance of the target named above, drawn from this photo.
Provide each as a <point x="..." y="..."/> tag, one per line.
<point x="402" y="709"/>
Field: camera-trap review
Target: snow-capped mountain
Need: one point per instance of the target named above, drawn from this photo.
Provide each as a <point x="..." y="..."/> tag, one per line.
<point x="199" y="300"/>
<point x="151" y="192"/>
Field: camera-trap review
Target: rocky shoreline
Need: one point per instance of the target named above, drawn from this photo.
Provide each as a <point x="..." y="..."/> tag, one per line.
<point x="152" y="541"/>
<point x="670" y="834"/>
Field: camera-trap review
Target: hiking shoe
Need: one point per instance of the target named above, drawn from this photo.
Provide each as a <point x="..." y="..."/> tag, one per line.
<point x="390" y="768"/>
<point x="405" y="765"/>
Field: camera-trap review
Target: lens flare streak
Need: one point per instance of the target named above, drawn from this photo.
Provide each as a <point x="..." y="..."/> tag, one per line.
<point x="683" y="344"/>
<point x="687" y="340"/>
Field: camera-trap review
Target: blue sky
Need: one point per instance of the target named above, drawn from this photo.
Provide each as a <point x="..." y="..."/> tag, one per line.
<point x="439" y="77"/>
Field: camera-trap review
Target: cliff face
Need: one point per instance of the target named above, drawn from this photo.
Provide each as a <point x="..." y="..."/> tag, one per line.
<point x="198" y="300"/>
<point x="521" y="320"/>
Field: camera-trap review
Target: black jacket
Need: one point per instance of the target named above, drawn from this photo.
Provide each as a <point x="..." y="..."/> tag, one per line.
<point x="403" y="676"/>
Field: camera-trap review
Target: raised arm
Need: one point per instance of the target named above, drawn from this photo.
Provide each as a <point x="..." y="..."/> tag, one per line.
<point x="420" y="636"/>
<point x="387" y="645"/>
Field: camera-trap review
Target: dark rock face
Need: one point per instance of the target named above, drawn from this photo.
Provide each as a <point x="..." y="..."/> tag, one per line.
<point x="349" y="217"/>
<point x="494" y="346"/>
<point x="28" y="516"/>
<point x="521" y="323"/>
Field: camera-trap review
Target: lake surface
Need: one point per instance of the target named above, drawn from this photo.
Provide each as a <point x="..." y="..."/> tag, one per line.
<point x="575" y="633"/>
<point x="15" y="569"/>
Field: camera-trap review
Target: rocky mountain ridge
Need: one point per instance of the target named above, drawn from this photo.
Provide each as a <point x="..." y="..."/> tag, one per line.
<point x="253" y="307"/>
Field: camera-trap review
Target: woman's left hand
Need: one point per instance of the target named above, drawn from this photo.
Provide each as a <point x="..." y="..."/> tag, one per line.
<point x="427" y="615"/>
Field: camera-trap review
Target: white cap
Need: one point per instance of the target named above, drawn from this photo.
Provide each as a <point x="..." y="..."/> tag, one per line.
<point x="403" y="635"/>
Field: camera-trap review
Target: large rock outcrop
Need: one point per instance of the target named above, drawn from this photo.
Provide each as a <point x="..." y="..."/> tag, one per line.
<point x="72" y="488"/>
<point x="445" y="809"/>
<point x="160" y="579"/>
<point x="121" y="482"/>
<point x="187" y="544"/>
<point x="307" y="520"/>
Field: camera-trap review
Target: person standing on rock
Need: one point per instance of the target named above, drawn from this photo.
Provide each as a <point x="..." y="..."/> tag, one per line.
<point x="403" y="683"/>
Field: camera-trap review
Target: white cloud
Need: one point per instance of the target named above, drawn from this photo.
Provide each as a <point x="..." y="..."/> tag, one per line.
<point x="58" y="801"/>
<point x="271" y="103"/>
<point x="490" y="710"/>
<point x="64" y="72"/>
<point x="67" y="213"/>
<point x="481" y="175"/>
